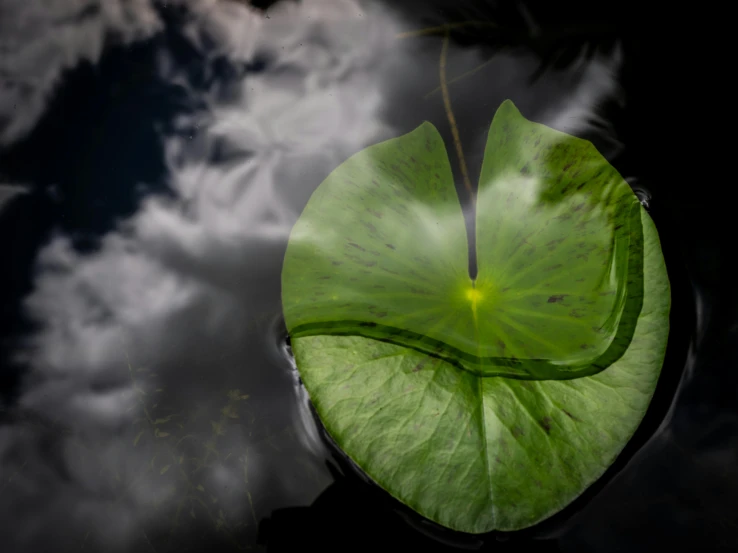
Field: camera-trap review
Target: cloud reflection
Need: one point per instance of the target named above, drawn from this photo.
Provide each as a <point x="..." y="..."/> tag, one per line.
<point x="145" y="343"/>
<point x="40" y="40"/>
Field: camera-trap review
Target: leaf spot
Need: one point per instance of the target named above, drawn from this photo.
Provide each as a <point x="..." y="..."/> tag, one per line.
<point x="546" y="424"/>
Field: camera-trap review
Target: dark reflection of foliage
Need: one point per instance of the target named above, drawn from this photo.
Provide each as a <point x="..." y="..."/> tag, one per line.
<point x="562" y="35"/>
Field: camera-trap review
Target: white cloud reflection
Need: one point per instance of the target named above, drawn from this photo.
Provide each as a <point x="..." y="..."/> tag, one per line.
<point x="171" y="293"/>
<point x="39" y="40"/>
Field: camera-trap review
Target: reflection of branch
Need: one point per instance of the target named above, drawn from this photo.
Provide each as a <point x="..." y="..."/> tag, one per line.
<point x="543" y="41"/>
<point x="444" y="28"/>
<point x="452" y="119"/>
<point x="517" y="34"/>
<point x="462" y="76"/>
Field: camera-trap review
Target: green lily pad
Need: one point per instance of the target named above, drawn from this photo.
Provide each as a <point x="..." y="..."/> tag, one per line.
<point x="489" y="402"/>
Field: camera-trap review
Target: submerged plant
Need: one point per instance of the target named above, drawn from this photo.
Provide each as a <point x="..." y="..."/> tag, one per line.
<point x="485" y="402"/>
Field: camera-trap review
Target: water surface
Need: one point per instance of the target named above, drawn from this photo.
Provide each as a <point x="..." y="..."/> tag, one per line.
<point x="155" y="156"/>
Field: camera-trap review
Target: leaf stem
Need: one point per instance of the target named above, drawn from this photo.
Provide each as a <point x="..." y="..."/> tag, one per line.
<point x="452" y="119"/>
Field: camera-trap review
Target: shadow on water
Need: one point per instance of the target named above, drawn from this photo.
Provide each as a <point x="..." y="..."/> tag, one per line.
<point x="148" y="403"/>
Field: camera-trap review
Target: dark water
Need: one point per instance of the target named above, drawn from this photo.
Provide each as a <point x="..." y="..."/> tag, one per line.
<point x="153" y="159"/>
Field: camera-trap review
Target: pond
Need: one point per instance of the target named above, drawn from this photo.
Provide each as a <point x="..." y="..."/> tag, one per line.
<point x="154" y="158"/>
